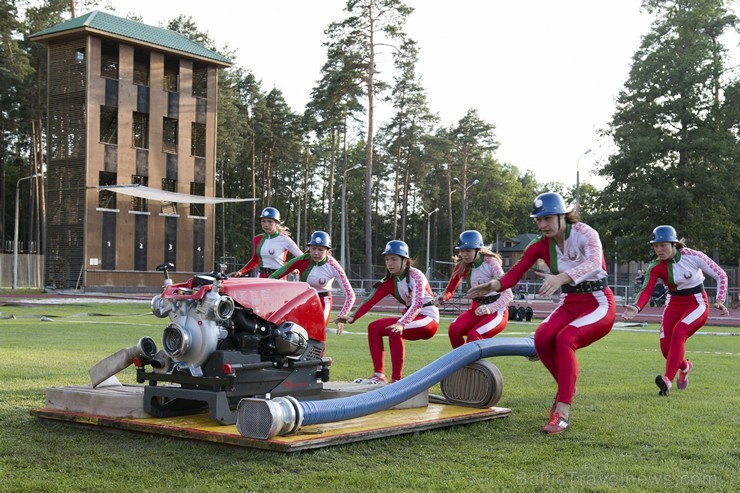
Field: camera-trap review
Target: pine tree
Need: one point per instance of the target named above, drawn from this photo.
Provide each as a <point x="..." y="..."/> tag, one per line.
<point x="677" y="140"/>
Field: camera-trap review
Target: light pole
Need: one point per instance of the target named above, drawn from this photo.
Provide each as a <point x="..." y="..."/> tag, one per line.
<point x="298" y="221"/>
<point x="578" y="180"/>
<point x="449" y="211"/>
<point x="15" y="230"/>
<point x="343" y="241"/>
<point x="465" y="199"/>
<point x="496" y="228"/>
<point x="429" y="215"/>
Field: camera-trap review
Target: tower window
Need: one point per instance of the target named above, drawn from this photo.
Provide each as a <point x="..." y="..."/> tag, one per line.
<point x="169" y="135"/>
<point x="109" y="59"/>
<point x="141" y="130"/>
<point x="198" y="144"/>
<point x="109" y="124"/>
<point x="169" y="185"/>
<point x="137" y="203"/>
<point x="200" y="80"/>
<point x="106" y="198"/>
<point x="197" y="189"/>
<point x="141" y="67"/>
<point x="171" y="74"/>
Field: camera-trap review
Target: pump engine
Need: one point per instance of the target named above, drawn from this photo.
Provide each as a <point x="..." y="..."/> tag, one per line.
<point x="233" y="338"/>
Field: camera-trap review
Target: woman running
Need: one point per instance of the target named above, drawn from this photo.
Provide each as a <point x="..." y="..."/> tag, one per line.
<point x="686" y="307"/>
<point x="586" y="311"/>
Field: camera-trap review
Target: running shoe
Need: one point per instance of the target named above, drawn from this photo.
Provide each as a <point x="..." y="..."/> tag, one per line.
<point x="376" y="379"/>
<point x="557" y="424"/>
<point x="683" y="376"/>
<point x="663" y="384"/>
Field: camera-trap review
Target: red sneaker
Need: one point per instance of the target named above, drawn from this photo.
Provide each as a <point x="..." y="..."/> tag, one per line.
<point x="557" y="424"/>
<point x="683" y="376"/>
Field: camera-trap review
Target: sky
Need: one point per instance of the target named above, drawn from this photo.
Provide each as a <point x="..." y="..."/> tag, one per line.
<point x="545" y="73"/>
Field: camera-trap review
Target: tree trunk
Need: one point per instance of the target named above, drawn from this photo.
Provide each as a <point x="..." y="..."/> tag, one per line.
<point x="369" y="156"/>
<point x="332" y="167"/>
<point x="396" y="192"/>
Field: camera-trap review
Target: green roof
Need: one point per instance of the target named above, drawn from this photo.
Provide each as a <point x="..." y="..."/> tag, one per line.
<point x="521" y="242"/>
<point x="103" y="23"/>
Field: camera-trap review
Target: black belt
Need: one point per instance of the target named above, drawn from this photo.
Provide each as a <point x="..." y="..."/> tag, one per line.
<point x="266" y="271"/>
<point x="486" y="300"/>
<point x="686" y="292"/>
<point x="586" y="286"/>
<point x="428" y="303"/>
<point x="323" y="294"/>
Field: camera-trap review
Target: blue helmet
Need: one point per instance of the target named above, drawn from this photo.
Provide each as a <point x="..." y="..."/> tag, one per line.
<point x="664" y="234"/>
<point x="548" y="204"/>
<point x="397" y="247"/>
<point x="320" y="238"/>
<point x="470" y="239"/>
<point x="270" y="213"/>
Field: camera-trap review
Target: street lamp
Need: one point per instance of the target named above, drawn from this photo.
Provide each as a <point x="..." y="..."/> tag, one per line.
<point x="15" y="231"/>
<point x="343" y="242"/>
<point x="429" y="215"/>
<point x="298" y="221"/>
<point x="449" y="209"/>
<point x="578" y="180"/>
<point x="465" y="199"/>
<point x="496" y="228"/>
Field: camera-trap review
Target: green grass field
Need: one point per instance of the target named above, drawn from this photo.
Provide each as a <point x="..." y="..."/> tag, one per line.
<point x="623" y="435"/>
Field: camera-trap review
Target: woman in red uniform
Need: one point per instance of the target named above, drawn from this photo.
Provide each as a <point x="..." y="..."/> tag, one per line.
<point x="586" y="311"/>
<point x="687" y="306"/>
<point x="419" y="321"/>
<point x="488" y="314"/>
<point x="269" y="250"/>
<point x="319" y="269"/>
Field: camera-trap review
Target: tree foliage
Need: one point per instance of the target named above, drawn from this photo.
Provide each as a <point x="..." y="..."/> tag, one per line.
<point x="369" y="24"/>
<point x="676" y="132"/>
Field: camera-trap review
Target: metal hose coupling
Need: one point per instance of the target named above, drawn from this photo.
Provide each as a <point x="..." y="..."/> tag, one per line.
<point x="266" y="418"/>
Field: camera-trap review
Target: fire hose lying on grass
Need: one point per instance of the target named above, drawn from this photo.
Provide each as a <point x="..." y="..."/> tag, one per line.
<point x="459" y="371"/>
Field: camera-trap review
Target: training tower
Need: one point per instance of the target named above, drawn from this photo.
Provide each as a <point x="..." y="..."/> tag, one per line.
<point x="128" y="103"/>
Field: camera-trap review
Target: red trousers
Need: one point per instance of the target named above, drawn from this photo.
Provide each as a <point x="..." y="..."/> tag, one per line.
<point x="579" y="320"/>
<point x="683" y="315"/>
<point x="476" y="328"/>
<point x="423" y="327"/>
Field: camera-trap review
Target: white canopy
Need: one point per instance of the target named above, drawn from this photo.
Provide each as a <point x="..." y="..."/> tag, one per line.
<point x="144" y="192"/>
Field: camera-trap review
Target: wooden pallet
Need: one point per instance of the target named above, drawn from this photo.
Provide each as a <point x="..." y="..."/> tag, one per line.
<point x="379" y="425"/>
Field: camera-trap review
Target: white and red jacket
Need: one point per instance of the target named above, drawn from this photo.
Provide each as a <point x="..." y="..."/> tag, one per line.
<point x="412" y="291"/>
<point x="482" y="270"/>
<point x="320" y="276"/>
<point x="683" y="272"/>
<point x="270" y="251"/>
<point x="582" y="257"/>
